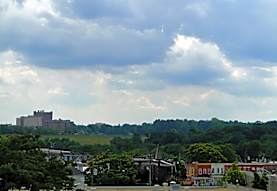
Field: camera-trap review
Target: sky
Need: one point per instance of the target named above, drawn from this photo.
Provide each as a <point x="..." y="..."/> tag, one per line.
<point x="134" y="61"/>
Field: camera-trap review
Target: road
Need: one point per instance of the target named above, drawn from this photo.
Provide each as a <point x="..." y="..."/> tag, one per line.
<point x="147" y="188"/>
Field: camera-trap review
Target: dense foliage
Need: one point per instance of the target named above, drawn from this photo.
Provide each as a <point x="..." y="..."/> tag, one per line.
<point x="10" y="129"/>
<point x="66" y="144"/>
<point x="173" y="144"/>
<point x="235" y="176"/>
<point x="112" y="169"/>
<point x="250" y="141"/>
<point x="205" y="152"/>
<point x="260" y="182"/>
<point x="22" y="164"/>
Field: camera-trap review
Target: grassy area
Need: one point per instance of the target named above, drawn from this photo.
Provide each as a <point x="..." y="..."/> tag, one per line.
<point x="85" y="139"/>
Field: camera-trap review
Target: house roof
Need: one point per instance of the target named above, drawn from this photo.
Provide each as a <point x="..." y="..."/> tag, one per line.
<point x="154" y="162"/>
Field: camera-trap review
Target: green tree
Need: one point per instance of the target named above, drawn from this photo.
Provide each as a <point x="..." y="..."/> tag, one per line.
<point x="122" y="144"/>
<point x="173" y="149"/>
<point x="113" y="169"/>
<point x="204" y="152"/>
<point x="23" y="164"/>
<point x="229" y="152"/>
<point x="264" y="182"/>
<point x="234" y="175"/>
<point x="260" y="182"/>
<point x="256" y="181"/>
<point x="137" y="139"/>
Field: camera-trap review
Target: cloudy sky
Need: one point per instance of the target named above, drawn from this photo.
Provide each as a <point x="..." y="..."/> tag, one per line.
<point x="133" y="61"/>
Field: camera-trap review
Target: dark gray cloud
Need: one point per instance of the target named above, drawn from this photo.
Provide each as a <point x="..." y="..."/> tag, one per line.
<point x="244" y="30"/>
<point x="115" y="33"/>
<point x="49" y="39"/>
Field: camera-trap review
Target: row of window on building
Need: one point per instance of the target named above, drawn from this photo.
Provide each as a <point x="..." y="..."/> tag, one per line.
<point x="208" y="169"/>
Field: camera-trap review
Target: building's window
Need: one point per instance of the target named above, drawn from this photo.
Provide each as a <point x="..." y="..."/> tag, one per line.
<point x="217" y="170"/>
<point x="222" y="171"/>
<point x="204" y="171"/>
<point x="200" y="171"/>
<point x="212" y="170"/>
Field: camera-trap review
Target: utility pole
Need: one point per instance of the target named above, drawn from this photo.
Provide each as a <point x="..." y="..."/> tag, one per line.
<point x="157" y="152"/>
<point x="91" y="176"/>
<point x="150" y="170"/>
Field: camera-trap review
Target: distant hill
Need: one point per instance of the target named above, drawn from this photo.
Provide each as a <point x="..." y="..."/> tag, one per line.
<point x="181" y="126"/>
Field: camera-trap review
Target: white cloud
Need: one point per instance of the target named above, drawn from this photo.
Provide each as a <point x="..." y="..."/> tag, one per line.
<point x="142" y="93"/>
<point x="57" y="91"/>
<point x="12" y="72"/>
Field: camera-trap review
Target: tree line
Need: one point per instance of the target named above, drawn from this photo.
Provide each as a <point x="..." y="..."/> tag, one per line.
<point x="250" y="141"/>
<point x="24" y="165"/>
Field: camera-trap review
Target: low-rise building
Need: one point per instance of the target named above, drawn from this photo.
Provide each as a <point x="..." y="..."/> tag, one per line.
<point x="212" y="173"/>
<point x="161" y="170"/>
<point x="64" y="155"/>
<point x="217" y="169"/>
<point x="198" y="169"/>
<point x="253" y="166"/>
<point x="199" y="174"/>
